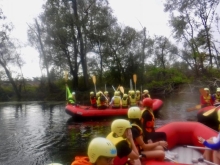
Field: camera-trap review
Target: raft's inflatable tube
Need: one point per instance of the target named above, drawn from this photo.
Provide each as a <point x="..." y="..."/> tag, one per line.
<point x="183" y="133"/>
<point x="88" y="111"/>
<point x="209" y="117"/>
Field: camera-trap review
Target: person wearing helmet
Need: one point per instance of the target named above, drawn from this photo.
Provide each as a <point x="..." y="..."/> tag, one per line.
<point x="107" y="97"/>
<point x="150" y="150"/>
<point x="121" y="137"/>
<point x="116" y="100"/>
<point x="138" y="96"/>
<point x="147" y="121"/>
<point x="100" y="151"/>
<point x="70" y="97"/>
<point x="125" y="101"/>
<point x="101" y="101"/>
<point x="206" y="98"/>
<point x="93" y="99"/>
<point x="146" y="94"/>
<point x="132" y="99"/>
<point x="216" y="97"/>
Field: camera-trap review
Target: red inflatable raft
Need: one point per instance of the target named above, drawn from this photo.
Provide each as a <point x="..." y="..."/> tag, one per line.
<point x="182" y="140"/>
<point x="210" y="116"/>
<point x="88" y="111"/>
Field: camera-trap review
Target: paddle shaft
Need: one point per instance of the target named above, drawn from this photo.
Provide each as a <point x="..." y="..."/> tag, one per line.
<point x="206" y="161"/>
<point x="201" y="148"/>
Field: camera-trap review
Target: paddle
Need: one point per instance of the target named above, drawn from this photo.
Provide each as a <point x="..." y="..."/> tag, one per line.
<point x="206" y="161"/>
<point x="113" y="87"/>
<point x="121" y="89"/>
<point x="135" y="80"/>
<point x="54" y="164"/>
<point x="199" y="106"/>
<point x="131" y="87"/>
<point x="195" y="147"/>
<point x="210" y="111"/>
<point x="94" y="82"/>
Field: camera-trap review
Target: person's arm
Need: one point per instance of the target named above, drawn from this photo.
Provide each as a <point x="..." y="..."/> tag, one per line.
<point x="214" y="146"/>
<point x="134" y="154"/>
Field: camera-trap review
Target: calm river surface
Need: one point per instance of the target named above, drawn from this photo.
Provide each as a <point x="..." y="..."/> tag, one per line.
<point x="34" y="134"/>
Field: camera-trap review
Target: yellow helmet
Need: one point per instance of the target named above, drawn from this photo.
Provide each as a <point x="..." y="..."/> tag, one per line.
<point x="129" y="92"/>
<point x="119" y="126"/>
<point x="137" y="91"/>
<point x="91" y="93"/>
<point x="134" y="113"/>
<point x="218" y="90"/>
<point x="146" y="91"/>
<point x="73" y="93"/>
<point x="97" y="94"/>
<point x="106" y="92"/>
<point x="132" y="92"/>
<point x="206" y="89"/>
<point x="117" y="93"/>
<point x="100" y="147"/>
<point x="125" y="95"/>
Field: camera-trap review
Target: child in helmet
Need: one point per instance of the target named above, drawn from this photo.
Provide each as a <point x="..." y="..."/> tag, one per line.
<point x="132" y="98"/>
<point x="216" y="97"/>
<point x="206" y="98"/>
<point x="101" y="151"/>
<point x="116" y="100"/>
<point x="125" y="101"/>
<point x="93" y="99"/>
<point x="121" y="137"/>
<point x="146" y="94"/>
<point x="150" y="150"/>
<point x="147" y="121"/>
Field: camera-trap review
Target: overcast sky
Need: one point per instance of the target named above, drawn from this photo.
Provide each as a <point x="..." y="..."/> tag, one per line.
<point x="138" y="13"/>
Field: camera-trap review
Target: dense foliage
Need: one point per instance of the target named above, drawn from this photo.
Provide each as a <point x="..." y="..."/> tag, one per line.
<point x="85" y="39"/>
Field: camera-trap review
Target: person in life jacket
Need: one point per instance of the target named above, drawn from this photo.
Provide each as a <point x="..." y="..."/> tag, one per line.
<point x="116" y="100"/>
<point x="138" y="97"/>
<point x="132" y="99"/>
<point x="150" y="150"/>
<point x="206" y="100"/>
<point x="213" y="143"/>
<point x="71" y="98"/>
<point x="145" y="94"/>
<point x="101" y="100"/>
<point x="121" y="137"/>
<point x="147" y="121"/>
<point x="93" y="100"/>
<point x="216" y="97"/>
<point x="107" y="97"/>
<point x="125" y="101"/>
<point x="101" y="151"/>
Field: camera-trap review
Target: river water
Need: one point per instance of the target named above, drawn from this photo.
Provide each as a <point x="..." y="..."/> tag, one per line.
<point x="33" y="133"/>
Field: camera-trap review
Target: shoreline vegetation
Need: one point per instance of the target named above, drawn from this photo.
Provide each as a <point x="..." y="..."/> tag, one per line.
<point x="39" y="91"/>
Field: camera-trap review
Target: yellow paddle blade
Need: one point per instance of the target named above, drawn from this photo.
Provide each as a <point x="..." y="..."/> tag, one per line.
<point x="121" y="89"/>
<point x="135" y="78"/>
<point x="66" y="75"/>
<point x="94" y="79"/>
<point x="194" y="108"/>
<point x="218" y="115"/>
<point x="209" y="112"/>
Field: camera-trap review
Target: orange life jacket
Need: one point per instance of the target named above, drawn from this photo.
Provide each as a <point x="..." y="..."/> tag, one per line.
<point x="81" y="160"/>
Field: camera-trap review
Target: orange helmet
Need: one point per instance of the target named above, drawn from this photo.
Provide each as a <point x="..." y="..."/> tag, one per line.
<point x="148" y="102"/>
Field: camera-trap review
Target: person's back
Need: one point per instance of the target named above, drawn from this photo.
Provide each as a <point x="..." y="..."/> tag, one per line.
<point x="93" y="100"/>
<point x="121" y="137"/>
<point x="116" y="100"/>
<point x="125" y="101"/>
<point x="101" y="101"/>
<point x="151" y="150"/>
<point x="148" y="123"/>
<point x="132" y="99"/>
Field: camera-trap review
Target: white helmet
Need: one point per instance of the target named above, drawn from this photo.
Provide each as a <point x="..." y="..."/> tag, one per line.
<point x="134" y="113"/>
<point x="100" y="147"/>
<point x="119" y="126"/>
